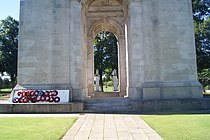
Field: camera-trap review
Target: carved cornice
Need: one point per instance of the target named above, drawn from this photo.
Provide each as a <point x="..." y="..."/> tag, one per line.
<point x="122" y="2"/>
<point x="88" y="2"/>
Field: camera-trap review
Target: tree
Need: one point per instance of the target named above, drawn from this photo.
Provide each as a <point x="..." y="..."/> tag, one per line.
<point x="106" y="55"/>
<point x="202" y="41"/>
<point x="200" y="9"/>
<point x="9" y="47"/>
<point x="201" y="13"/>
<point x="204" y="77"/>
<point x="1" y="82"/>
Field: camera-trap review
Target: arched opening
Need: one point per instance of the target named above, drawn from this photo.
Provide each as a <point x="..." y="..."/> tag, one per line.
<point x="100" y="16"/>
<point x="106" y="63"/>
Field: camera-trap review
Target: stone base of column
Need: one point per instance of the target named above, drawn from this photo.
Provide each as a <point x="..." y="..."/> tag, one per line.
<point x="134" y="92"/>
<point x="90" y="90"/>
<point x="79" y="94"/>
<point x="167" y="90"/>
<point x="171" y="90"/>
<point x="122" y="91"/>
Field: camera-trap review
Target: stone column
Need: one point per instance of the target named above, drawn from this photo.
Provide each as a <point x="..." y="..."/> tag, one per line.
<point x="122" y="66"/>
<point x="77" y="53"/>
<point x="90" y="67"/>
<point x="135" y="50"/>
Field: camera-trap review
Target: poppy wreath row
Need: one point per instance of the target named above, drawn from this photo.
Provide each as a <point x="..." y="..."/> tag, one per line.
<point x="36" y="96"/>
<point x="37" y="93"/>
<point x="35" y="99"/>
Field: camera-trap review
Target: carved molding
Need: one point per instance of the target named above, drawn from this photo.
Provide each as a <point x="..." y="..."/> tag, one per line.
<point x="104" y="15"/>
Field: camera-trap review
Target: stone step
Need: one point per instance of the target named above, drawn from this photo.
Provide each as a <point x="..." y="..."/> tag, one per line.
<point x="107" y="102"/>
<point x="108" y="105"/>
<point x="114" y="99"/>
<point x="127" y="105"/>
<point x="106" y="94"/>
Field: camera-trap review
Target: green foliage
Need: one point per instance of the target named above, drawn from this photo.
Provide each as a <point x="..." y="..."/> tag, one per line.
<point x="180" y="127"/>
<point x="110" y="83"/>
<point x="3" y="96"/>
<point x="105" y="55"/>
<point x="108" y="74"/>
<point x="9" y="46"/>
<point x="201" y="15"/>
<point x="205" y="73"/>
<point x="200" y="9"/>
<point x="202" y="40"/>
<point x="204" y="78"/>
<point x="29" y="128"/>
<point x="7" y="90"/>
<point x="6" y="83"/>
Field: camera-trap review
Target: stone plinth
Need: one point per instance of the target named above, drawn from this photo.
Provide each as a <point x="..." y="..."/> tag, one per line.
<point x="41" y="108"/>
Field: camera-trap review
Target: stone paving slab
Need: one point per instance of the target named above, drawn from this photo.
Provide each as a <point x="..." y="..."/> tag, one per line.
<point x="39" y="115"/>
<point x="110" y="127"/>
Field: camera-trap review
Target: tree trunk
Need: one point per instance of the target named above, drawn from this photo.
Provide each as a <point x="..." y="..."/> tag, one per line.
<point x="13" y="80"/>
<point x="101" y="81"/>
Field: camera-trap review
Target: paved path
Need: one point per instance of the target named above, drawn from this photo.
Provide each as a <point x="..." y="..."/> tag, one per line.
<point x="110" y="127"/>
<point x="39" y="115"/>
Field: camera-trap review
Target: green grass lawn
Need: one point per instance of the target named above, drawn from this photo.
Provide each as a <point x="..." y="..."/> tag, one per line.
<point x="34" y="128"/>
<point x="4" y="97"/>
<point x="107" y="88"/>
<point x="6" y="90"/>
<point x="180" y="127"/>
<point x="4" y="93"/>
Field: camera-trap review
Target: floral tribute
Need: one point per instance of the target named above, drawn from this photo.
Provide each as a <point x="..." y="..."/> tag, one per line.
<point x="34" y="96"/>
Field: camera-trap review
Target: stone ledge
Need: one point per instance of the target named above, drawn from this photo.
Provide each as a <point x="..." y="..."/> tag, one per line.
<point x="128" y="105"/>
<point x="171" y="105"/>
<point x="132" y="106"/>
<point x="171" y="90"/>
<point x="171" y="84"/>
<point x="41" y="108"/>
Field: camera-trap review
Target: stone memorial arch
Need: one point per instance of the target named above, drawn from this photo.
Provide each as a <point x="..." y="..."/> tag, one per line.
<point x="157" y="57"/>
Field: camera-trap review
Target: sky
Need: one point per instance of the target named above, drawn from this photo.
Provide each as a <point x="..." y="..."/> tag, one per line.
<point x="9" y="8"/>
